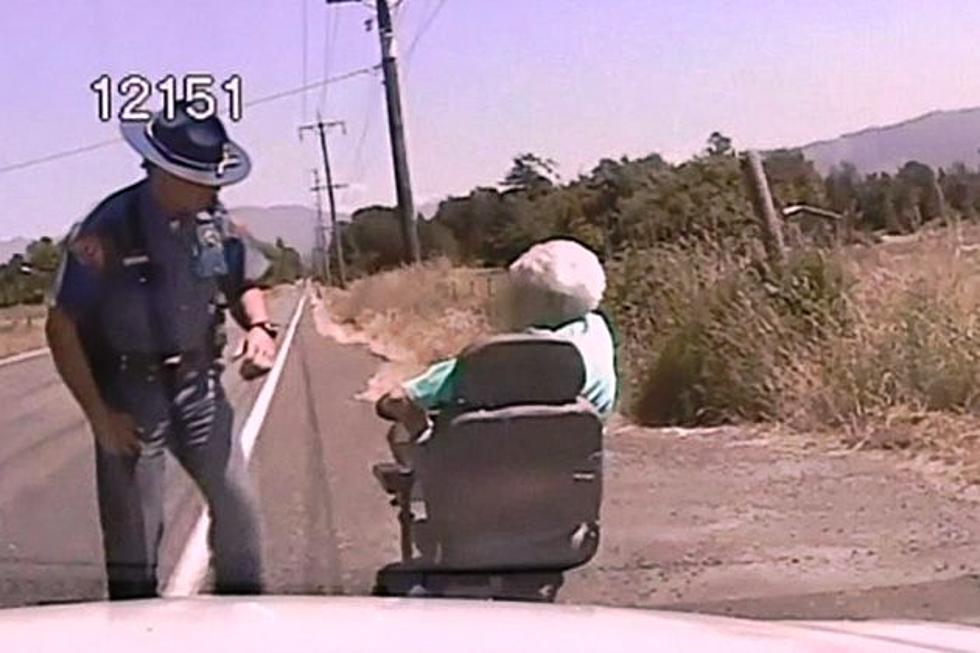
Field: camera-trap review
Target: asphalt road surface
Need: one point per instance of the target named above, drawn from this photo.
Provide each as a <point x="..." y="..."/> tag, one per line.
<point x="50" y="547"/>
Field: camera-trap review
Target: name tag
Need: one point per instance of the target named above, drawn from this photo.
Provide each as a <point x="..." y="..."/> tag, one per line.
<point x="130" y="261"/>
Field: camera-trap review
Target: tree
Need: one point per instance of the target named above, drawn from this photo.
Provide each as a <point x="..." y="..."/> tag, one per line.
<point x="794" y="179"/>
<point x="373" y="239"/>
<point x="877" y="205"/>
<point x="530" y="172"/>
<point x="842" y="187"/>
<point x="961" y="189"/>
<point x="477" y="222"/>
<point x="285" y="264"/>
<point x="719" y="145"/>
<point x="437" y="240"/>
<point x="43" y="255"/>
<point x="920" y="185"/>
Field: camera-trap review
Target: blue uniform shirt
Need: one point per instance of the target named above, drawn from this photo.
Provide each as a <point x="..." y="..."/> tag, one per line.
<point x="160" y="301"/>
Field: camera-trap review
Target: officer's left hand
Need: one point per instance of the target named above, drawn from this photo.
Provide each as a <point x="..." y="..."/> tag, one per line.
<point x="258" y="351"/>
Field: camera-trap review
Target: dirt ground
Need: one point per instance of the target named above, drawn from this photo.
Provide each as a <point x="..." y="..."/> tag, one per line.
<point x="735" y="521"/>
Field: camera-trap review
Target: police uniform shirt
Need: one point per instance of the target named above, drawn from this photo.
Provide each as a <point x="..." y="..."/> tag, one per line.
<point x="155" y="298"/>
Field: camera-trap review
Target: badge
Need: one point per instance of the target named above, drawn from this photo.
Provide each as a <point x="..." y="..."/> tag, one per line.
<point x="209" y="261"/>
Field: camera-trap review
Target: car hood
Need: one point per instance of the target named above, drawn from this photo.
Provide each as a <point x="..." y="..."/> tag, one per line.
<point x="342" y="624"/>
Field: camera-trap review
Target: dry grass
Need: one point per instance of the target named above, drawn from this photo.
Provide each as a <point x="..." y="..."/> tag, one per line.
<point x="21" y="329"/>
<point x="878" y="347"/>
<point x="913" y="344"/>
<point x="419" y="314"/>
<point x="906" y="373"/>
<point x="705" y="329"/>
<point x="874" y="346"/>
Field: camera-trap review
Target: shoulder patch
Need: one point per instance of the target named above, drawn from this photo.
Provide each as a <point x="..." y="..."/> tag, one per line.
<point x="89" y="250"/>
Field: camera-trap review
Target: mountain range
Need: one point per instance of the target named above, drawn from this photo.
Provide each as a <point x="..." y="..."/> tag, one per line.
<point x="291" y="222"/>
<point x="294" y="223"/>
<point x="938" y="139"/>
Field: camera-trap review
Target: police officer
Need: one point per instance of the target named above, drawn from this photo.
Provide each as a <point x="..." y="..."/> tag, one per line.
<point x="135" y="333"/>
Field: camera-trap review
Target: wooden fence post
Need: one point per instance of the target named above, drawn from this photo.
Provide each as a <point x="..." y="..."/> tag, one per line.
<point x="769" y="221"/>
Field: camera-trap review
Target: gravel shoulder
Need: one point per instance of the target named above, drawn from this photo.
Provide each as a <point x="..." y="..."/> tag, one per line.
<point x="737" y="521"/>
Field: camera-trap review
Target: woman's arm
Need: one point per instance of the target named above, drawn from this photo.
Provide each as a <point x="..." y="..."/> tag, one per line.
<point x="397" y="406"/>
<point x="410" y="402"/>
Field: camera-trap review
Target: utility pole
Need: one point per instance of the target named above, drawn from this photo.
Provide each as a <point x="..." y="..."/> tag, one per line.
<point x="769" y="221"/>
<point x="396" y="131"/>
<point x="321" y="264"/>
<point x="338" y="247"/>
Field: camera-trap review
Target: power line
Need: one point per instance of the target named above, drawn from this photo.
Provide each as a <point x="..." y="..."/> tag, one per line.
<point x="422" y="30"/>
<point x="367" y="70"/>
<point x="251" y="103"/>
<point x="305" y="38"/>
<point x="372" y="107"/>
<point x="59" y="155"/>
<point x="330" y="39"/>
<point x="397" y="12"/>
<point x="396" y="129"/>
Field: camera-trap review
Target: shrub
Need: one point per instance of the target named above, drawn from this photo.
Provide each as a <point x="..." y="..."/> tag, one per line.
<point x="707" y="329"/>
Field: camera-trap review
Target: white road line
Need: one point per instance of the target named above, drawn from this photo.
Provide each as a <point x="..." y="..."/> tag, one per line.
<point x="27" y="355"/>
<point x="192" y="567"/>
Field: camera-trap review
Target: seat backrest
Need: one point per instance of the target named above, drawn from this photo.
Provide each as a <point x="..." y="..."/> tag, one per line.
<point x="519" y="369"/>
<point x="513" y="477"/>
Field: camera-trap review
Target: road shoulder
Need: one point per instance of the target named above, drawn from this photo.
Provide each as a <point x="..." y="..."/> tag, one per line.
<point x="738" y="521"/>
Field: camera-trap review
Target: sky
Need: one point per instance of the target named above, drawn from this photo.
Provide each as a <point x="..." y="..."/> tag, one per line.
<point x="482" y="80"/>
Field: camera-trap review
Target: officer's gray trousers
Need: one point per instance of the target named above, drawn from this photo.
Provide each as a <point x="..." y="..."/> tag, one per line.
<point x="192" y="418"/>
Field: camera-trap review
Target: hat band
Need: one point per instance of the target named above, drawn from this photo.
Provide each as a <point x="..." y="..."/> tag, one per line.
<point x="228" y="157"/>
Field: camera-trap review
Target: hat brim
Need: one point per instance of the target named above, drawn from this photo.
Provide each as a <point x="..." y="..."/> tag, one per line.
<point x="136" y="135"/>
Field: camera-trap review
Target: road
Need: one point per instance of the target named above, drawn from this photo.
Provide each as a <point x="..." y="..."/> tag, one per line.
<point x="49" y="535"/>
<point x="727" y="521"/>
<point x="328" y="525"/>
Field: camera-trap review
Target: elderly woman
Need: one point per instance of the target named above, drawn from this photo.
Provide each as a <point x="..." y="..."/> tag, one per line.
<point x="555" y="288"/>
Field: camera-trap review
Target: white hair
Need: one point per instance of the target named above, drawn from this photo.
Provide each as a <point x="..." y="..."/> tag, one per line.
<point x="554" y="282"/>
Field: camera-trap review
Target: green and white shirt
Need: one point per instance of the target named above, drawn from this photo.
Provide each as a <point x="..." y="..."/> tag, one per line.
<point x="435" y="388"/>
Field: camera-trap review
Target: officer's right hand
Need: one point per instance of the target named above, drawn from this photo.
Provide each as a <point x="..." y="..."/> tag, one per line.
<point x="115" y="432"/>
